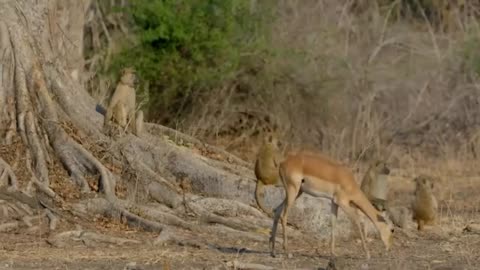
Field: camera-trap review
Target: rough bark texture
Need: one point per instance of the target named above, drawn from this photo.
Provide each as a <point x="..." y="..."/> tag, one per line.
<point x="48" y="122"/>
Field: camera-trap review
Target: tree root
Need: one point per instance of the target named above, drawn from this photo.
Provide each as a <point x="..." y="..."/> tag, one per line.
<point x="170" y="235"/>
<point x="18" y="197"/>
<point x="87" y="238"/>
<point x="164" y="218"/>
<point x="236" y="234"/>
<point x="160" y="189"/>
<point x="164" y="195"/>
<point x="175" y="135"/>
<point x="52" y="220"/>
<point x="29" y="220"/>
<point x="43" y="187"/>
<point x="7" y="176"/>
<point x="26" y="122"/>
<point x="255" y="266"/>
<point x="229" y="222"/>
<point x="251" y="266"/>
<point x="225" y="207"/>
<point x="118" y="210"/>
<point x="9" y="226"/>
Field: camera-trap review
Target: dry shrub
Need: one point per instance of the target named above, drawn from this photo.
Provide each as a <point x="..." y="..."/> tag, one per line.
<point x="356" y="82"/>
<point x="355" y="79"/>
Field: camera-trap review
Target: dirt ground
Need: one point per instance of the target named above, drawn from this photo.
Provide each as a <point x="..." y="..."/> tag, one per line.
<point x="444" y="246"/>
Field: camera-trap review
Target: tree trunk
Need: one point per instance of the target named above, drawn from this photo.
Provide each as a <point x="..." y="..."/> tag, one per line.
<point x="52" y="143"/>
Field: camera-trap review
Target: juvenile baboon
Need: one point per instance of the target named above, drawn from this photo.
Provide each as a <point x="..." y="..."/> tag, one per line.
<point x="425" y="205"/>
<point x="122" y="104"/>
<point x="400" y="215"/>
<point x="266" y="168"/>
<point x="375" y="184"/>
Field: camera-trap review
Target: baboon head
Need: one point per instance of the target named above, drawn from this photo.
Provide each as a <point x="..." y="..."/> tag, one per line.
<point x="424" y="181"/>
<point x="381" y="167"/>
<point x="270" y="138"/>
<point x="128" y="77"/>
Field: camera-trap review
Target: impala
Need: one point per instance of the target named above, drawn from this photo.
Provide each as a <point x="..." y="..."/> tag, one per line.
<point x="319" y="176"/>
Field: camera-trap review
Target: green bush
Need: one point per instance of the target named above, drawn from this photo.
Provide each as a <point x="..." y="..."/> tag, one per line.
<point x="471" y="55"/>
<point x="188" y="47"/>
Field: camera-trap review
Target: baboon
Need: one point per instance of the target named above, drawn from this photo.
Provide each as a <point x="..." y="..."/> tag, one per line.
<point x="375" y="184"/>
<point x="400" y="215"/>
<point x="122" y="104"/>
<point x="266" y="168"/>
<point x="425" y="205"/>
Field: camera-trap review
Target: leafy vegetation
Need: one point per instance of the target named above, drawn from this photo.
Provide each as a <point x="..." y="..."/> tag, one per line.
<point x="186" y="48"/>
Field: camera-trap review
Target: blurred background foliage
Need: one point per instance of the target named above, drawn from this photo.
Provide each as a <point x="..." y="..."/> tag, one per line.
<point x="353" y="78"/>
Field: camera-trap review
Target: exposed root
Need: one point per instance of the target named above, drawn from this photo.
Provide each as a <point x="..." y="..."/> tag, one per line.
<point x="252" y="266"/>
<point x="87" y="238"/>
<point x="170" y="235"/>
<point x="117" y="210"/>
<point x="14" y="197"/>
<point x="47" y="190"/>
<point x="137" y="221"/>
<point x="43" y="187"/>
<point x="255" y="266"/>
<point x="229" y="222"/>
<point x="167" y="236"/>
<point x="29" y="220"/>
<point x="236" y="234"/>
<point x="106" y="183"/>
<point x="159" y="189"/>
<point x="52" y="220"/>
<point x="225" y="207"/>
<point x="164" y="195"/>
<point x="9" y="226"/>
<point x="246" y="172"/>
<point x="164" y="218"/>
<point x="178" y="136"/>
<point x="26" y="122"/>
<point x="7" y="176"/>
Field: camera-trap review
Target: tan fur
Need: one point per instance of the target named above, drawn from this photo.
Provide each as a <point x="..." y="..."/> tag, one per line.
<point x="374" y="186"/>
<point x="266" y="168"/>
<point x="425" y="205"/>
<point x="400" y="215"/>
<point x="121" y="108"/>
<point x="322" y="177"/>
